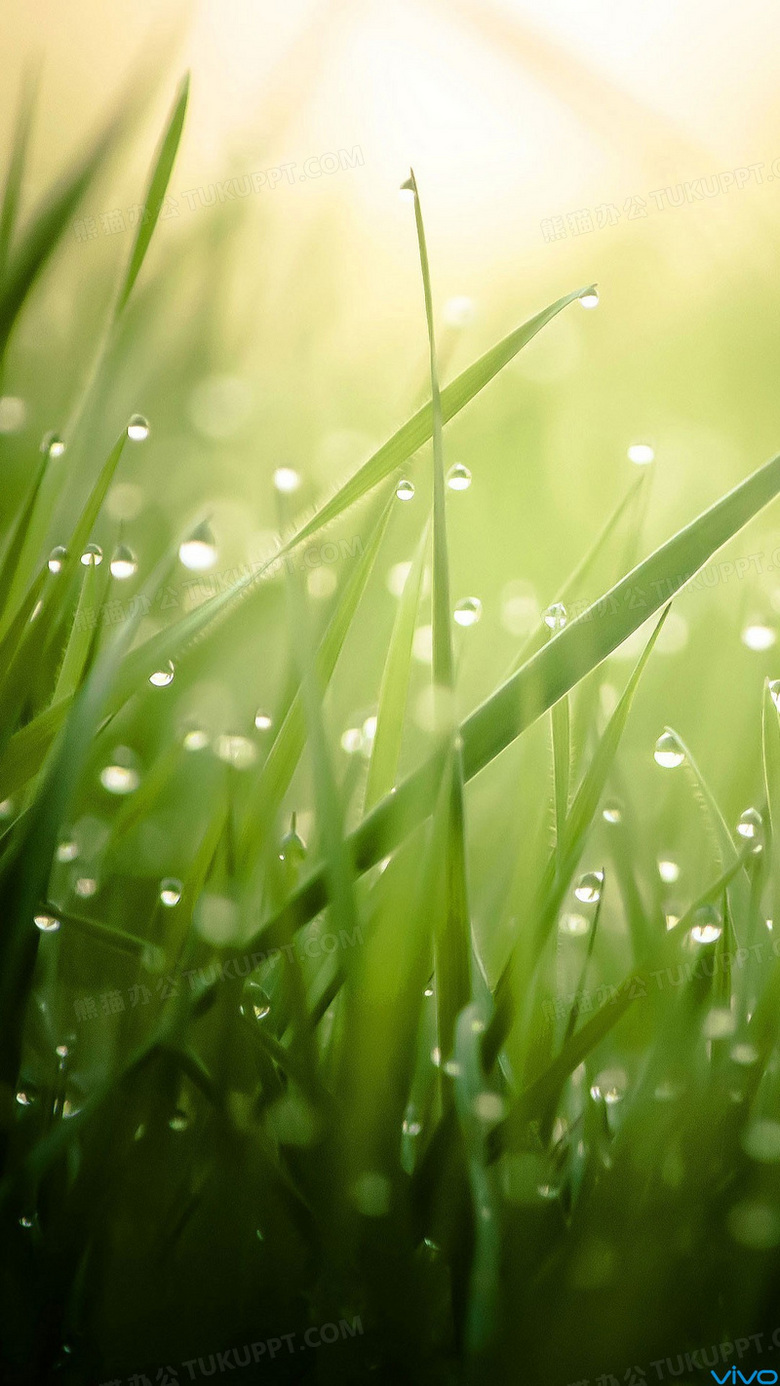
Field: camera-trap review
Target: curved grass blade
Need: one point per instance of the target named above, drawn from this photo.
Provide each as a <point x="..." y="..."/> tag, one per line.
<point x="158" y="187"/>
<point x="555" y="669"/>
<point x="398" y="449"/>
<point x="13" y="184"/>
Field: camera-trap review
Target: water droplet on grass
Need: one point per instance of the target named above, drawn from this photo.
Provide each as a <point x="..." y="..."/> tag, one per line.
<point x="744" y="1055"/>
<point x="405" y="490"/>
<point x="162" y="677"/>
<point x="719" y="1023"/>
<point x="52" y="445"/>
<point x="262" y="721"/>
<point x="751" y="827"/>
<point x="588" y="888"/>
<point x="609" y="1086"/>
<point x="67" y="851"/>
<point x="757" y="635"/>
<point x="124" y="563"/>
<point x="351" y="740"/>
<point x="85" y="887"/>
<point x="137" y="428"/>
<point x="237" y="751"/>
<point x="468" y="612"/>
<point x="196" y="739"/>
<point x="641" y="454"/>
<point x="574" y="925"/>
<point x="57" y="559"/>
<point x="25" y="1097"/>
<point x="668" y="752"/>
<point x="774" y="692"/>
<point x="707" y="927"/>
<point x="170" y="891"/>
<point x="92" y="556"/>
<point x="459" y="477"/>
<point x="406" y="191"/>
<point x="286" y="480"/>
<point x="612" y="813"/>
<point x="47" y="923"/>
<point x="669" y="871"/>
<point x="122" y="775"/>
<point x="179" y="1121"/>
<point x="555" y="616"/>
<point x="25" y="1222"/>
<point x="590" y="299"/>
<point x="199" y="552"/>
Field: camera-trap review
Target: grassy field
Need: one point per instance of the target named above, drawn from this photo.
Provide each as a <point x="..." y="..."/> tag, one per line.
<point x="389" y="986"/>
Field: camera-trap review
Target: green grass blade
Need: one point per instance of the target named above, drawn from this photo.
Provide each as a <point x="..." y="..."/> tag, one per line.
<point x="564" y="661"/>
<point x="407" y="440"/>
<point x="394" y="688"/>
<point x="13" y="185"/>
<point x="157" y="189"/>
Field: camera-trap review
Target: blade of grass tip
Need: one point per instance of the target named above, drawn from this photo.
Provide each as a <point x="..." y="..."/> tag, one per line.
<point x="151" y="208"/>
<point x="46" y="226"/>
<point x="13" y="185"/>
<point x="453" y="951"/>
<point x="157" y="189"/>
<point x="554" y="670"/>
<point x="394" y="688"/>
<point x="407" y="440"/>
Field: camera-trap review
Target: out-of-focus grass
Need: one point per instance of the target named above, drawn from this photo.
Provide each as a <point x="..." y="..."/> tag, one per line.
<point x="332" y="985"/>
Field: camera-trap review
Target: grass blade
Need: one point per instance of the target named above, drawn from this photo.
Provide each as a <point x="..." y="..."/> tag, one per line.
<point x="155" y="196"/>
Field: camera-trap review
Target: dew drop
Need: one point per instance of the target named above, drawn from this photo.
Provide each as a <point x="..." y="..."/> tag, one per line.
<point x="406" y="191"/>
<point x="85" y="887"/>
<point x="199" y="552"/>
<point x="458" y="311"/>
<point x="25" y="1097"/>
<point x="57" y="557"/>
<point x="707" y="927"/>
<point x="459" y="477"/>
<point x="669" y="871"/>
<point x="6" y="808"/>
<point x="25" y="1222"/>
<point x="196" y="739"/>
<point x="774" y="692"/>
<point x="641" y="454"/>
<point x="719" y="1023"/>
<point x="179" y="1121"/>
<point x="744" y="1054"/>
<point x="588" y="888"/>
<point x="612" y="812"/>
<point x="468" y="612"/>
<point x="574" y="925"/>
<point x="137" y="428"/>
<point x="162" y="677"/>
<point x="555" y="616"/>
<point x="124" y="563"/>
<point x="255" y="1002"/>
<point x="67" y="851"/>
<point x="411" y="1127"/>
<point x="286" y="480"/>
<point x="757" y="635"/>
<point x="52" y="445"/>
<point x="609" y="1086"/>
<point x="489" y="1107"/>
<point x="262" y="721"/>
<point x="92" y="556"/>
<point x="590" y="298"/>
<point x="237" y="751"/>
<point x="668" y="752"/>
<point x="351" y="740"/>
<point x="170" y="891"/>
<point x="122" y="775"/>
<point x="405" y="490"/>
<point x="47" y="923"/>
<point x="751" y="827"/>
